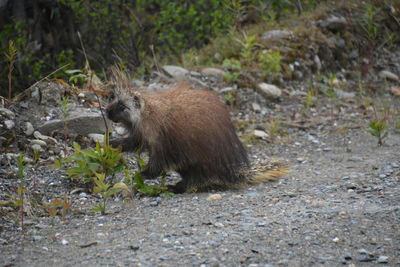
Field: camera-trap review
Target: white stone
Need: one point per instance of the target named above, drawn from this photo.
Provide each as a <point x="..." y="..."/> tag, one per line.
<point x="276" y="35"/>
<point x="214" y="197"/>
<point x="385" y="74"/>
<point x="38" y="142"/>
<point x="176" y="72"/>
<point x="269" y="90"/>
<point x="7" y="113"/>
<point x="36" y="147"/>
<point x="9" y="124"/>
<point x="96" y="137"/>
<point x="213" y="72"/>
<point x="256" y="107"/>
<point x="28" y="128"/>
<point x="261" y="134"/>
<point x="47" y="139"/>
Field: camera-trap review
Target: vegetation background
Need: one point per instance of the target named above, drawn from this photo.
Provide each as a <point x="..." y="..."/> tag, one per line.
<point x="45" y="34"/>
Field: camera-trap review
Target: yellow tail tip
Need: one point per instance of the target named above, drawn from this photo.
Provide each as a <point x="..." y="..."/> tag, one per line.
<point x="269" y="172"/>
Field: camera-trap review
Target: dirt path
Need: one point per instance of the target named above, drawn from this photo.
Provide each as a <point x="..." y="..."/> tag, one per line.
<point x="339" y="206"/>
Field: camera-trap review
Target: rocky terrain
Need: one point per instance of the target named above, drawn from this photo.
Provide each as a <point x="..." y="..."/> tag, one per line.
<point x="339" y="206"/>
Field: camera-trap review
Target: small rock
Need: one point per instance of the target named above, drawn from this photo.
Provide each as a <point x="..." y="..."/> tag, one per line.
<point x="226" y="90"/>
<point x="81" y="124"/>
<point x="345" y="95"/>
<point x="37" y="147"/>
<point x="7" y="113"/>
<point x="395" y="91"/>
<point x="47" y="139"/>
<point x="39" y="142"/>
<point x="28" y="128"/>
<point x="317" y="62"/>
<point x="269" y="90"/>
<point x="383" y="259"/>
<point x="301" y="160"/>
<point x="214" y="197"/>
<point x="365" y="258"/>
<point x="213" y="72"/>
<point x="395" y="165"/>
<point x="335" y="239"/>
<point x="256" y="107"/>
<point x="9" y="124"/>
<point x="276" y="35"/>
<point x="96" y="137"/>
<point x="64" y="242"/>
<point x="261" y="134"/>
<point x="334" y="23"/>
<point x="385" y="74"/>
<point x="176" y="72"/>
<point x="364" y="251"/>
<point x="218" y="224"/>
<point x="37" y="238"/>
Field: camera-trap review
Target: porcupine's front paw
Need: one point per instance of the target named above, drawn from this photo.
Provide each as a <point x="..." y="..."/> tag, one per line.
<point x="147" y="174"/>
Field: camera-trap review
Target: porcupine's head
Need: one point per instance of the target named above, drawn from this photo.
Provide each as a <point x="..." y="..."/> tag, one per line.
<point x="125" y="108"/>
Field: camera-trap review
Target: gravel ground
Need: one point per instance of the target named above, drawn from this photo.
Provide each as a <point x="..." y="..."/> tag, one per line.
<point x="339" y="206"/>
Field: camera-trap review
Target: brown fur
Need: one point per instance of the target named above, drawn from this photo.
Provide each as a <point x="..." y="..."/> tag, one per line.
<point x="185" y="130"/>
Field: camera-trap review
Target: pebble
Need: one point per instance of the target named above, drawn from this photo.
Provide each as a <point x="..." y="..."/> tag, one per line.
<point x="9" y="124"/>
<point x="96" y="137"/>
<point x="37" y="238"/>
<point x="256" y="107"/>
<point x="64" y="242"/>
<point x="28" y="128"/>
<point x="269" y="90"/>
<point x="7" y="113"/>
<point x="213" y="72"/>
<point x="382" y="175"/>
<point x="176" y="72"/>
<point x="218" y="224"/>
<point x="39" y="142"/>
<point x="214" y="197"/>
<point x="37" y="147"/>
<point x="385" y="74"/>
<point x="276" y="34"/>
<point x="261" y="134"/>
<point x="45" y="138"/>
<point x="365" y="258"/>
<point x="383" y="259"/>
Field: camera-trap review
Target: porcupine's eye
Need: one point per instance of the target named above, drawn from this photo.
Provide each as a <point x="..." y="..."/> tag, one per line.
<point x="136" y="101"/>
<point x="121" y="106"/>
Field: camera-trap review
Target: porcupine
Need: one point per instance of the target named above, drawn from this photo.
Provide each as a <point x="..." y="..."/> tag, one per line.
<point x="190" y="132"/>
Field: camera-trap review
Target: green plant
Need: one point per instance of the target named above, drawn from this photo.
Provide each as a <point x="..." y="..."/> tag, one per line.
<point x="78" y="76"/>
<point x="369" y="24"/>
<point x="88" y="162"/>
<point x="105" y="190"/>
<point x="247" y="47"/>
<point x="378" y="126"/>
<point x="10" y="55"/>
<point x="275" y="128"/>
<point x="270" y="62"/>
<point x="19" y="202"/>
<point x="136" y="181"/>
<point x="310" y="98"/>
<point x="233" y="68"/>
